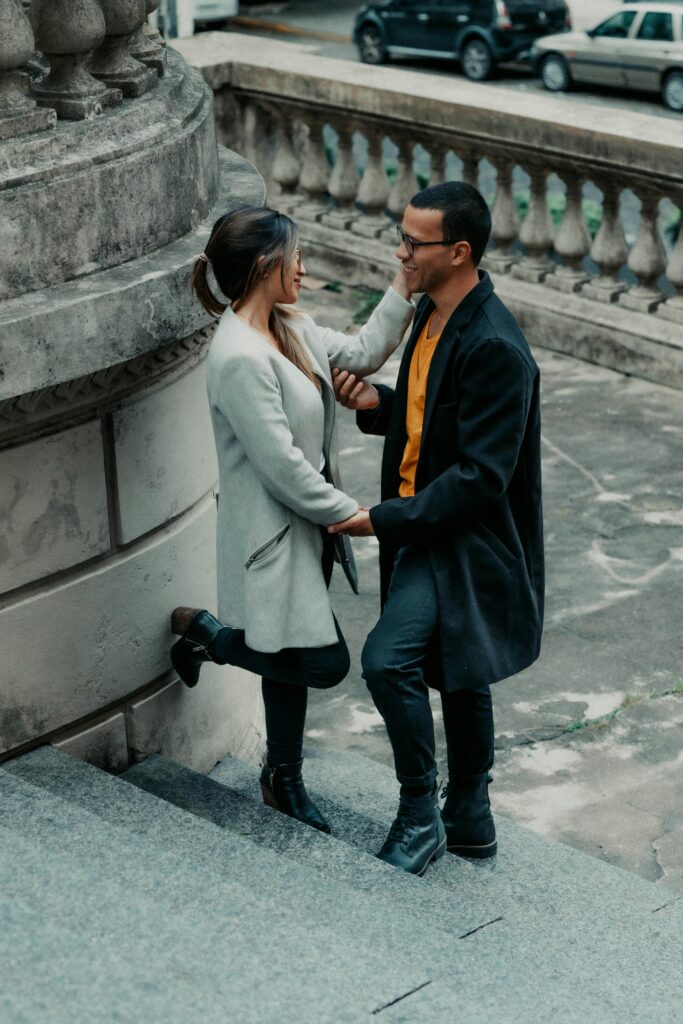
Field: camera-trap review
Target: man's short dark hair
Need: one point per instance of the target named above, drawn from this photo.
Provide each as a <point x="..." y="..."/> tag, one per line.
<point x="466" y="216"/>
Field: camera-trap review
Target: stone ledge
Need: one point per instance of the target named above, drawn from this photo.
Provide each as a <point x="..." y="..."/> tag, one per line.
<point x="87" y="325"/>
<point x="616" y="139"/>
<point x="93" y="194"/>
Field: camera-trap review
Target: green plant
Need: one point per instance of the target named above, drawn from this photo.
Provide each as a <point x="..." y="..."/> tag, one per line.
<point x="366" y="300"/>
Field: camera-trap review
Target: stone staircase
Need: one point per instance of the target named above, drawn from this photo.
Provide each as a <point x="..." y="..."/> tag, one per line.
<point x="164" y="896"/>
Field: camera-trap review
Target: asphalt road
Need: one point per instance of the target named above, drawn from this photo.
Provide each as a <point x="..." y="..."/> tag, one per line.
<point x="328" y="33"/>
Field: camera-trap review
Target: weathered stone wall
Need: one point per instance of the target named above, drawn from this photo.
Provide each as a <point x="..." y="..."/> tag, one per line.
<point x="107" y="463"/>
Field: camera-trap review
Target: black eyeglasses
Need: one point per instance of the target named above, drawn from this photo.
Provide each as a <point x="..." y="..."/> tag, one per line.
<point x="410" y="243"/>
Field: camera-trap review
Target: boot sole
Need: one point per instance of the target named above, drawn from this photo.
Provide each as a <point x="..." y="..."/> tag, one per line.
<point x="475" y="852"/>
<point x="438" y="853"/>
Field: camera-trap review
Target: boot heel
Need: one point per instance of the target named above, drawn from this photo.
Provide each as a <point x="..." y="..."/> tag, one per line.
<point x="268" y="798"/>
<point x="186" y="666"/>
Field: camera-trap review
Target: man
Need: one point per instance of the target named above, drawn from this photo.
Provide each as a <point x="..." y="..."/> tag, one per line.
<point x="459" y="526"/>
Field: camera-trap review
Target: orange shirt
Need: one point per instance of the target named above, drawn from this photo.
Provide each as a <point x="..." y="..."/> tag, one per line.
<point x="417" y="390"/>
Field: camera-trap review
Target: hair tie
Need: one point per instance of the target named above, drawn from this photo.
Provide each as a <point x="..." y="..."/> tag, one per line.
<point x="204" y="258"/>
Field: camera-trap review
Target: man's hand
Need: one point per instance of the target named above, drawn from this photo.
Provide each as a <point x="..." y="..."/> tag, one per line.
<point x="353" y="393"/>
<point x="357" y="526"/>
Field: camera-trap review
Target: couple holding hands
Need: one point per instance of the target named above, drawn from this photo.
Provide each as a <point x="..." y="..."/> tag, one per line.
<point x="459" y="523"/>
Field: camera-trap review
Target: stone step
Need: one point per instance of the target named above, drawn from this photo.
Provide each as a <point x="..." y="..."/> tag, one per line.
<point x="211" y="918"/>
<point x="239" y="807"/>
<point x="555" y="913"/>
<point x="65" y="955"/>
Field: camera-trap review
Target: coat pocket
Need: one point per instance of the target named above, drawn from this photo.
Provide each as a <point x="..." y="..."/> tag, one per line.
<point x="492" y="541"/>
<point x="267" y="551"/>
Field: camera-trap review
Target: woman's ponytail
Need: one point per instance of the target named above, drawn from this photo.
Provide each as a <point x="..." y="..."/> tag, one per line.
<point x="202" y="289"/>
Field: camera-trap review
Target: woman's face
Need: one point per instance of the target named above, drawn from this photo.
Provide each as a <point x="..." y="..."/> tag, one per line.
<point x="287" y="280"/>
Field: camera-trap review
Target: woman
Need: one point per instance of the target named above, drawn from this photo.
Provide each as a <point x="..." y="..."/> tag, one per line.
<point x="273" y="408"/>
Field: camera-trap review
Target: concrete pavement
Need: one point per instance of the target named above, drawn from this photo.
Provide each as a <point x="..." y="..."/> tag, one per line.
<point x="590" y="739"/>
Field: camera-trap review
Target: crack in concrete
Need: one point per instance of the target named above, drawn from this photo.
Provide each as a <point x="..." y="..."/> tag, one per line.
<point x="671" y="903"/>
<point x="399" y="998"/>
<point x="588" y="723"/>
<point x="479" y="928"/>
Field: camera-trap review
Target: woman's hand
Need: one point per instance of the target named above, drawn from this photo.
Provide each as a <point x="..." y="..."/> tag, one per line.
<point x="353" y="393"/>
<point x="400" y="285"/>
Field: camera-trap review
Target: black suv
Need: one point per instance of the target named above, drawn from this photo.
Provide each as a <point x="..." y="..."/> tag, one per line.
<point x="478" y="33"/>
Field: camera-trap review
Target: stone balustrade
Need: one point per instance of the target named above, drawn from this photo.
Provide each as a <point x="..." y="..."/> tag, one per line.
<point x="90" y="55"/>
<point x="585" y="206"/>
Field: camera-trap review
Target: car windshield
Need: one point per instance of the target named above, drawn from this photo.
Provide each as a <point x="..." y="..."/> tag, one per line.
<point x="617" y="26"/>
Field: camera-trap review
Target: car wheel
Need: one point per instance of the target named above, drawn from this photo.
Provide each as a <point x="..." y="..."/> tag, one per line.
<point x="672" y="91"/>
<point x="555" y="73"/>
<point x="477" y="60"/>
<point x="371" y="46"/>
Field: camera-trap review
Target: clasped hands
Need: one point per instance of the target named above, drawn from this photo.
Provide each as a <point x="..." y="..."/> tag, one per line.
<point x="356" y="394"/>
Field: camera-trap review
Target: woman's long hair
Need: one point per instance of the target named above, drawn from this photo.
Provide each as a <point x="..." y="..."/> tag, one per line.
<point x="245" y="246"/>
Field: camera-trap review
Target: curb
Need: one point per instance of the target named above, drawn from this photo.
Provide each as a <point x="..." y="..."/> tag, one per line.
<point x="283" y="28"/>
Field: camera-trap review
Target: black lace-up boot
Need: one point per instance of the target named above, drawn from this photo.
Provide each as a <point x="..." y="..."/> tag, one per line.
<point x="466" y="814"/>
<point x="417" y="835"/>
<point x="283" y="788"/>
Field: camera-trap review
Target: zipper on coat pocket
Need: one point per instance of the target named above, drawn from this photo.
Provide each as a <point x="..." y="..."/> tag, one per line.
<point x="267" y="547"/>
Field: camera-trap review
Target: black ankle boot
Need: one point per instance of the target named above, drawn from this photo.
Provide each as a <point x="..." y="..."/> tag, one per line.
<point x="466" y="814"/>
<point x="283" y="788"/>
<point x="190" y="652"/>
<point x="417" y="835"/>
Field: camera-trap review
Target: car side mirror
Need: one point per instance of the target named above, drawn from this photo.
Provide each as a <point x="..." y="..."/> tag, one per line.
<point x="591" y="33"/>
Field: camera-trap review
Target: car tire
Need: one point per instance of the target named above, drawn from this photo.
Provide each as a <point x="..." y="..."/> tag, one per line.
<point x="371" y="46"/>
<point x="555" y="73"/>
<point x="476" y="60"/>
<point x="672" y="90"/>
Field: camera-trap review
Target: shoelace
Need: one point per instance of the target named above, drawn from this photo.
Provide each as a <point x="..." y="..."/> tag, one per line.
<point x="400" y="826"/>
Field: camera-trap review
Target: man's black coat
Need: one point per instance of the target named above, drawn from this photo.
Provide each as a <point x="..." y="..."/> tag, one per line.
<point x="477" y="503"/>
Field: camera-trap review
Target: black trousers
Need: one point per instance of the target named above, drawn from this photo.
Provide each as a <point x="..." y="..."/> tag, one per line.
<point x="393" y="661"/>
<point x="286" y="676"/>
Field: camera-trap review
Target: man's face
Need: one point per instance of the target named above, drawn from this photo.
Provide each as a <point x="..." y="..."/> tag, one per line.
<point x="430" y="265"/>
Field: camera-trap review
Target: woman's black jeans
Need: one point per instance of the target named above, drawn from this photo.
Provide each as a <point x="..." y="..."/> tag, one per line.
<point x="286" y="676"/>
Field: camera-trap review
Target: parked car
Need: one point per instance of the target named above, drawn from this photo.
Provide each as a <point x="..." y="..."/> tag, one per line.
<point x="640" y="47"/>
<point x="480" y="34"/>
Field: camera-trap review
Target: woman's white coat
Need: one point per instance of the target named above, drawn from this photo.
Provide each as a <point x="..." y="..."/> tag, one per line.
<point x="271" y="424"/>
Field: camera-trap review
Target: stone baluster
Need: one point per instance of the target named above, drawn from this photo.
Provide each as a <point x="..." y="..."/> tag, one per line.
<point x="505" y="222"/>
<point x="67" y="32"/>
<point x="315" y="173"/>
<point x="536" y="232"/>
<point x="285" y="170"/>
<point x="344" y="180"/>
<point x="405" y="183"/>
<point x="609" y="249"/>
<point x="19" y="113"/>
<point x="470" y="168"/>
<point x="373" y="193"/>
<point x="147" y="45"/>
<point x="438" y="161"/>
<point x="672" y="309"/>
<point x="573" y="240"/>
<point x="647" y="259"/>
<point x="113" y="62"/>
